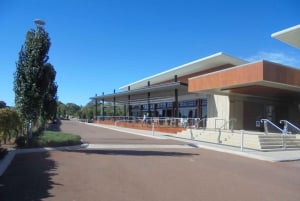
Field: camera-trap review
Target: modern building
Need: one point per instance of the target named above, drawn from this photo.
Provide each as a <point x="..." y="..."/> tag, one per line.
<point x="218" y="88"/>
<point x="289" y="36"/>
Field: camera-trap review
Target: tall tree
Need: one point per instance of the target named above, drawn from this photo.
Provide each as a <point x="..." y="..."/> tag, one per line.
<point x="49" y="106"/>
<point x="34" y="79"/>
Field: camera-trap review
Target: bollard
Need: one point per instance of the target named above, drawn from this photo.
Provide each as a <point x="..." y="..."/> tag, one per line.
<point x="153" y="129"/>
<point x="192" y="136"/>
<point x="242" y="140"/>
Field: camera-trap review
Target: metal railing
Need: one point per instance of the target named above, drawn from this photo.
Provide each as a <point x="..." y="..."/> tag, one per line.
<point x="230" y="123"/>
<point x="270" y="127"/>
<point x="289" y="128"/>
<point x="158" y="121"/>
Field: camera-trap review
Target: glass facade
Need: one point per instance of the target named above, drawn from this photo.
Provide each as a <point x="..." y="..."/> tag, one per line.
<point x="187" y="109"/>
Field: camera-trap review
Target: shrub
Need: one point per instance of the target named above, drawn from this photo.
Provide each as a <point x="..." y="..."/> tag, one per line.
<point x="20" y="141"/>
<point x="3" y="152"/>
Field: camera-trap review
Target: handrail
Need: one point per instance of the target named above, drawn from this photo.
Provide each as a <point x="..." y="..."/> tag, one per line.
<point x="219" y="120"/>
<point x="286" y="124"/>
<point x="266" y="121"/>
<point x="233" y="120"/>
<point x="171" y="121"/>
<point x="203" y="120"/>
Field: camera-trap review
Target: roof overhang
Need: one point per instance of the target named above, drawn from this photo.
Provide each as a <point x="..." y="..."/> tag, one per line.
<point x="290" y="36"/>
<point x="203" y="64"/>
<point x="158" y="93"/>
<point x="263" y="79"/>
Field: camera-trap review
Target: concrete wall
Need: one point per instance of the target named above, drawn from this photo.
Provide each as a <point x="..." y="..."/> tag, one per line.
<point x="294" y="112"/>
<point x="237" y="112"/>
<point x="218" y="107"/>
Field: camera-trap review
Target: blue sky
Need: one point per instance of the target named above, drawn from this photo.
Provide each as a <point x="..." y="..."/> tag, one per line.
<point x="101" y="45"/>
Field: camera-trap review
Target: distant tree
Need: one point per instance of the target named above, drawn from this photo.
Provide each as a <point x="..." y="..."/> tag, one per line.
<point x="34" y="84"/>
<point x="72" y="109"/>
<point x="88" y="111"/>
<point x="109" y="109"/>
<point x="61" y="110"/>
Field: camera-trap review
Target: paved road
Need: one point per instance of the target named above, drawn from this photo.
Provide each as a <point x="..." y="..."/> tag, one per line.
<point x="144" y="174"/>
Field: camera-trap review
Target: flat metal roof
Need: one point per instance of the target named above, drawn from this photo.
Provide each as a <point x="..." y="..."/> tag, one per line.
<point x="158" y="92"/>
<point x="202" y="64"/>
<point x="290" y="36"/>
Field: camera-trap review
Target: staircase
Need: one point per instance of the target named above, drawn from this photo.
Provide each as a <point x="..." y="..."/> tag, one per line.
<point x="252" y="140"/>
<point x="278" y="141"/>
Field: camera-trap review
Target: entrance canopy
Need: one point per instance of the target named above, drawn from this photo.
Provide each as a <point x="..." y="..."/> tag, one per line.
<point x="150" y="94"/>
<point x="263" y="79"/>
<point x="200" y="65"/>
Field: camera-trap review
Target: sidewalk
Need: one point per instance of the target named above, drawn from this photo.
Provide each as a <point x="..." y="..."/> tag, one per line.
<point x="271" y="156"/>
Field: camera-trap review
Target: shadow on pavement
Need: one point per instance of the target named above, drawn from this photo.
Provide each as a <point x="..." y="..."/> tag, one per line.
<point x="134" y="152"/>
<point x="28" y="178"/>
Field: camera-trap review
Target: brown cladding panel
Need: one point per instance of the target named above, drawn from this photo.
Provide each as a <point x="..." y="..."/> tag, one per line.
<point x="277" y="73"/>
<point x="229" y="77"/>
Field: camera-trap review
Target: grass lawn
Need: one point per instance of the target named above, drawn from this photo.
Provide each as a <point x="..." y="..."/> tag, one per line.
<point x="47" y="139"/>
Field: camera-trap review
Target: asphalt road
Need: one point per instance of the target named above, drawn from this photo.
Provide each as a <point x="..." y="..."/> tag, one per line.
<point x="144" y="174"/>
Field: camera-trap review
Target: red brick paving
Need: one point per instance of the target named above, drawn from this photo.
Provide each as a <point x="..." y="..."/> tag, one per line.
<point x="93" y="134"/>
<point x="145" y="175"/>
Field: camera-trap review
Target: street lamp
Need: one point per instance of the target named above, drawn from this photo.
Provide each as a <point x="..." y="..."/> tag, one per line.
<point x="39" y="22"/>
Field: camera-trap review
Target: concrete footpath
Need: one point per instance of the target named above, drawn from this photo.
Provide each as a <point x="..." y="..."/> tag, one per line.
<point x="271" y="156"/>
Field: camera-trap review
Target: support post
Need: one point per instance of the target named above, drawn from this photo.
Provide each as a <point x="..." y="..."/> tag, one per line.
<point x="148" y="103"/>
<point x="176" y="103"/>
<point x="153" y="128"/>
<point x="96" y="102"/>
<point x="129" y="109"/>
<point x="242" y="140"/>
<point x="114" y="104"/>
<point x="103" y="107"/>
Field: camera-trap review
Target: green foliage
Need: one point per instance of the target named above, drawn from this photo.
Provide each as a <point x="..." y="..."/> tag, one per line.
<point x="68" y="110"/>
<point x="34" y="79"/>
<point x="88" y="111"/>
<point x="9" y="123"/>
<point x="52" y="139"/>
<point x="49" y="106"/>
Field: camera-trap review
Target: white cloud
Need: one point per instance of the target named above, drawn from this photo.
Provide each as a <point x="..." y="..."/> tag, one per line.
<point x="277" y="57"/>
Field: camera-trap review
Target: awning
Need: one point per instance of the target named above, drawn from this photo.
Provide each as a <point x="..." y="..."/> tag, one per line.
<point x="202" y="64"/>
<point x="263" y="79"/>
<point x="158" y="93"/>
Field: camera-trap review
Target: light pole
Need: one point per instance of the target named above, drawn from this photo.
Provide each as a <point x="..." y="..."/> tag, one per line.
<point x="39" y="22"/>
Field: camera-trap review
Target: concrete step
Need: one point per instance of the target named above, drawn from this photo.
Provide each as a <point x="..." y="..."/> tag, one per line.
<point x="279" y="141"/>
<point x="226" y="138"/>
<point x="254" y="140"/>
